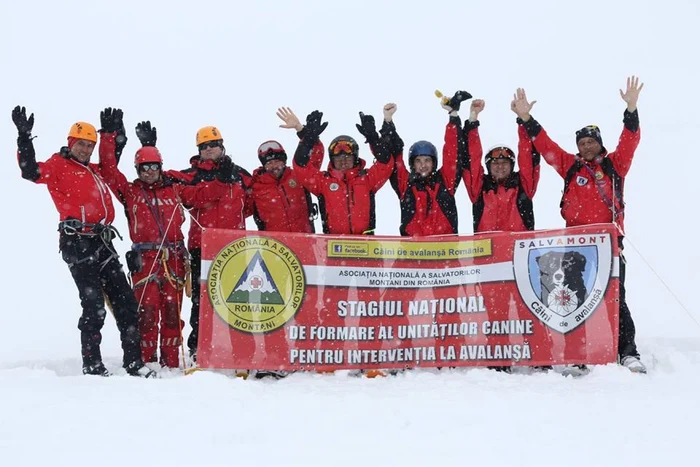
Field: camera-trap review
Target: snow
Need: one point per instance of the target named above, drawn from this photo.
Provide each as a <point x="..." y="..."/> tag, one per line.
<point x="184" y="65"/>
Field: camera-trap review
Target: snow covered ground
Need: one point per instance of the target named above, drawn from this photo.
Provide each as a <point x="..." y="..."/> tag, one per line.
<point x="184" y="65"/>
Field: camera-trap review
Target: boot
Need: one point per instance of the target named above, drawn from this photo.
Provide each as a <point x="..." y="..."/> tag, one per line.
<point x="96" y="369"/>
<point x="634" y="364"/>
<point x="137" y="368"/>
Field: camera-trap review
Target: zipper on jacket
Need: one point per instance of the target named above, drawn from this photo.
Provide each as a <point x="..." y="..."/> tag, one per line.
<point x="348" y="193"/>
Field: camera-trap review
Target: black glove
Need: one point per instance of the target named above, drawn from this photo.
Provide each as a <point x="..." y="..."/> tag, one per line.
<point x="134" y="262"/>
<point x="111" y="120"/>
<point x="146" y="134"/>
<point x="368" y="128"/>
<point x="225" y="171"/>
<point x="313" y="128"/>
<point x="458" y="98"/>
<point x="24" y="125"/>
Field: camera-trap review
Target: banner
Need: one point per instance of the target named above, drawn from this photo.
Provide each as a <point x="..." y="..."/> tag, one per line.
<point x="272" y="300"/>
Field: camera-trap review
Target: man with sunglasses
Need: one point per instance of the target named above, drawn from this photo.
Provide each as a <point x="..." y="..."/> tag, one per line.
<point x="86" y="214"/>
<point x="280" y="201"/>
<point x="426" y="193"/>
<point x="158" y="258"/>
<point x="229" y="212"/>
<point x="594" y="188"/>
<point x="346" y="189"/>
<point x="501" y="198"/>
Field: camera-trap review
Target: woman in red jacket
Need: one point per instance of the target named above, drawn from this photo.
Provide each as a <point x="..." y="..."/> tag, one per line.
<point x="426" y="193"/>
<point x="346" y="189"/>
<point x="158" y="259"/>
<point x="86" y="233"/>
<point x="501" y="198"/>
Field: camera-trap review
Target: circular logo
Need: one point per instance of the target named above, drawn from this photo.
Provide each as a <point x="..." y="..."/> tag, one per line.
<point x="599" y="175"/>
<point x="334" y="186"/>
<point x="256" y="284"/>
<point x="292" y="183"/>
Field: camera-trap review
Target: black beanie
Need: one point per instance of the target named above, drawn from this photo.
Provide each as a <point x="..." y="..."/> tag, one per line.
<point x="590" y="131"/>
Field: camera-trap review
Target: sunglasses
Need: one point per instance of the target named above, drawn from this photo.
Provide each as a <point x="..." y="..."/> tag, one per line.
<point x="270" y="147"/>
<point x="210" y="144"/>
<point x="149" y="167"/>
<point x="342" y="147"/>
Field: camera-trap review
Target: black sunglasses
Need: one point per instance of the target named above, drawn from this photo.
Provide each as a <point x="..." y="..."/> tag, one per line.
<point x="209" y="144"/>
<point x="149" y="167"/>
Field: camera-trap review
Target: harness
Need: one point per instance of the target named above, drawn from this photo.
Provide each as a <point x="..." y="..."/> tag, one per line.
<point x="106" y="233"/>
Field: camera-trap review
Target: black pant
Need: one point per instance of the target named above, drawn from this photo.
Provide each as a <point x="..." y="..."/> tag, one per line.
<point x="626" y="344"/>
<point x="196" y="265"/>
<point x="97" y="273"/>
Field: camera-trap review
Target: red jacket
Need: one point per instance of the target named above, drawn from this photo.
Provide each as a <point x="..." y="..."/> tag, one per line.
<point x="155" y="211"/>
<point x="283" y="205"/>
<point x="428" y="204"/>
<point x="582" y="202"/>
<point x="228" y="212"/>
<point x="505" y="206"/>
<point x="77" y="189"/>
<point x="345" y="198"/>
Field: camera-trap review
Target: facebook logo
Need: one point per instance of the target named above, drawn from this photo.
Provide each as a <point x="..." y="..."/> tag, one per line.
<point x="337" y="248"/>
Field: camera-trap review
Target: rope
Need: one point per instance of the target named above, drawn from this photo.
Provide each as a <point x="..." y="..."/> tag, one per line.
<point x="658" y="276"/>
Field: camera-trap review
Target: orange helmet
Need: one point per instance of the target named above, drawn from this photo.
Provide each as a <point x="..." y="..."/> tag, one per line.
<point x="82" y="130"/>
<point x="208" y="133"/>
<point x="148" y="155"/>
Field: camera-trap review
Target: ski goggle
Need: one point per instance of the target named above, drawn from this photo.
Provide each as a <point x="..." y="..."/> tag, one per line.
<point x="341" y="147"/>
<point x="149" y="167"/>
<point x="500" y="153"/>
<point x="270" y="147"/>
<point x="210" y="144"/>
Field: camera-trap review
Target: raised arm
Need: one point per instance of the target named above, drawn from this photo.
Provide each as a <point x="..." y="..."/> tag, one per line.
<point x="309" y="149"/>
<point x="472" y="168"/>
<point x="452" y="150"/>
<point x="115" y="179"/>
<point x="555" y="156"/>
<point x="528" y="162"/>
<point x="631" y="134"/>
<point x="26" y="156"/>
<point x="383" y="166"/>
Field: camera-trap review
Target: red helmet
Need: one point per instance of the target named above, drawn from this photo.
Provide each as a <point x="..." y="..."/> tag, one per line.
<point x="148" y="155"/>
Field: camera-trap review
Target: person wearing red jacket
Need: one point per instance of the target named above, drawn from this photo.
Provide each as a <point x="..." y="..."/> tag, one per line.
<point x="158" y="259"/>
<point x="346" y="189"/>
<point x="594" y="188"/>
<point x="501" y="198"/>
<point x="229" y="212"/>
<point x="426" y="193"/>
<point x="86" y="213"/>
<point x="280" y="201"/>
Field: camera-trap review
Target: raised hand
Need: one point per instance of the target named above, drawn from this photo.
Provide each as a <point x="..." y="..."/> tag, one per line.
<point x="389" y="111"/>
<point x="289" y="118"/>
<point x="111" y="120"/>
<point x="313" y="128"/>
<point x="477" y="106"/>
<point x="456" y="101"/>
<point x="147" y="134"/>
<point x="520" y="105"/>
<point x="367" y="128"/>
<point x="24" y="125"/>
<point x="631" y="95"/>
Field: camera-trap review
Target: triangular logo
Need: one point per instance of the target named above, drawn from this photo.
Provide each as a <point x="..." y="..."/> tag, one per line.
<point x="256" y="285"/>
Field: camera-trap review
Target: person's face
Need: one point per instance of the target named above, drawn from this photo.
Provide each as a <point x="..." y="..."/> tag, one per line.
<point x="82" y="150"/>
<point x="423" y="165"/>
<point x="588" y="148"/>
<point x="343" y="161"/>
<point x="500" y="168"/>
<point x="275" y="168"/>
<point x="149" y="173"/>
<point x="211" y="150"/>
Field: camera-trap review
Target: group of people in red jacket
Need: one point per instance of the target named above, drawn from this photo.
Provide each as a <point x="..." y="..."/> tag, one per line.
<point x="220" y="194"/>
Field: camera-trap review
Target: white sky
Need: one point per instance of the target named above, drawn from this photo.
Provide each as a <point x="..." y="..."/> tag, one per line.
<point x="184" y="65"/>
